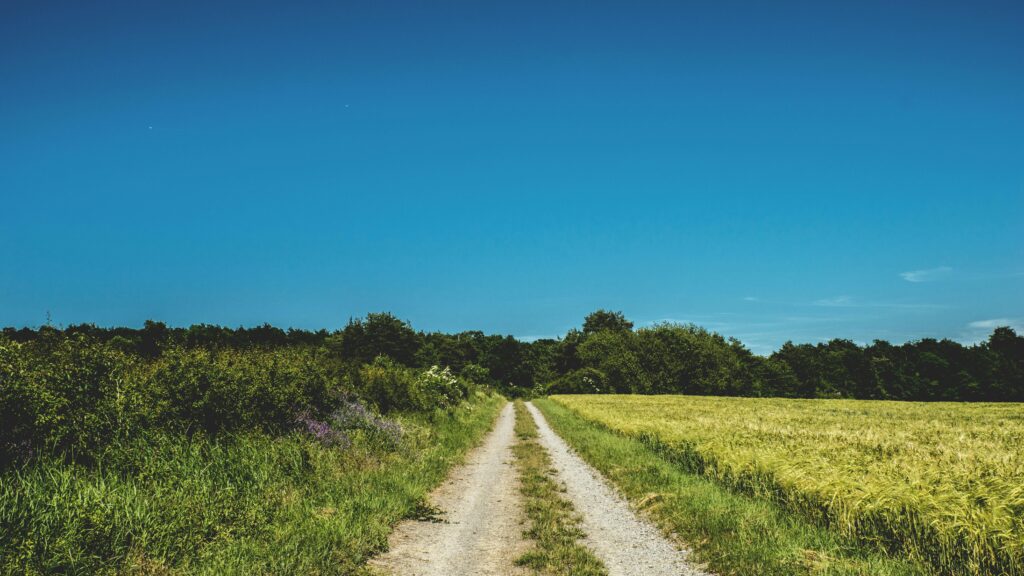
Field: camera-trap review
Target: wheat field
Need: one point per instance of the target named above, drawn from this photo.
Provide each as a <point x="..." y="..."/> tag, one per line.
<point x="942" y="482"/>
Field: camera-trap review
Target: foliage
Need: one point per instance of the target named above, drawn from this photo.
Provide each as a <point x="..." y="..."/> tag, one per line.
<point x="378" y="335"/>
<point x="161" y="450"/>
<point x="687" y="359"/>
<point x="243" y="503"/>
<point x="63" y="394"/>
<point x="390" y="387"/>
<point x="582" y="381"/>
<point x="354" y="416"/>
<point x="190" y="390"/>
<point x="936" y="481"/>
<point x="71" y="394"/>
<point x="602" y="320"/>
<point x="155" y="336"/>
<point x="659" y="359"/>
<point x="439" y="388"/>
<point x="385" y="384"/>
<point x="473" y="373"/>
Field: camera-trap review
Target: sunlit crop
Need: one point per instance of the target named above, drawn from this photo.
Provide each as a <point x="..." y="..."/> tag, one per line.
<point x="943" y="482"/>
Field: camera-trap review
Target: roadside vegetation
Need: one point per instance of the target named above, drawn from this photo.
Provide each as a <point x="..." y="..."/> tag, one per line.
<point x="939" y="482"/>
<point x="609" y="355"/>
<point x="731" y="532"/>
<point x="217" y="460"/>
<point x="554" y="525"/>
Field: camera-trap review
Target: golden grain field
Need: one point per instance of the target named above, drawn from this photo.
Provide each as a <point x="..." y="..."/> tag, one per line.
<point x="943" y="482"/>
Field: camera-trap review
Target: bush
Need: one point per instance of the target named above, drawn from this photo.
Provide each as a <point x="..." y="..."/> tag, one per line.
<point x="63" y="394"/>
<point x="582" y="381"/>
<point x="475" y="374"/>
<point x="386" y="384"/>
<point x="438" y="388"/>
<point x="73" y="395"/>
<point x="248" y="389"/>
<point x="391" y="387"/>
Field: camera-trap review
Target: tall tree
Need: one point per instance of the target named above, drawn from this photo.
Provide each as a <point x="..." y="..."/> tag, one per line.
<point x="606" y="320"/>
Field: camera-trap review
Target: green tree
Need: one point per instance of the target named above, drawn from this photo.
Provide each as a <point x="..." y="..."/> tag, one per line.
<point x="380" y="334"/>
<point x="614" y="354"/>
<point x="605" y="320"/>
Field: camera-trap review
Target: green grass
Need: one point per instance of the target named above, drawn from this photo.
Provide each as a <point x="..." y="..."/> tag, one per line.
<point x="733" y="533"/>
<point x="554" y="524"/>
<point x="244" y="504"/>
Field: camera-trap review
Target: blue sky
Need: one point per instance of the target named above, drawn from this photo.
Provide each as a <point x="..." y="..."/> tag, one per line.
<point x="777" y="171"/>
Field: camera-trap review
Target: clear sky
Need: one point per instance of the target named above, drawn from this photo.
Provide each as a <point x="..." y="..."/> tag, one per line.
<point x="770" y="170"/>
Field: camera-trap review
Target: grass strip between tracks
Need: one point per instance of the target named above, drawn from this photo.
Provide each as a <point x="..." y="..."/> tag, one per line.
<point x="554" y="525"/>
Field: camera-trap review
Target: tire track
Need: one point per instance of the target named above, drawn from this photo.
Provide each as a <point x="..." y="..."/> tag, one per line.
<point x="483" y="522"/>
<point x="626" y="544"/>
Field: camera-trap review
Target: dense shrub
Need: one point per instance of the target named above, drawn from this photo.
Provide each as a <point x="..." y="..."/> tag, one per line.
<point x="16" y="402"/>
<point x="438" y="387"/>
<point x="475" y="373"/>
<point x="64" y="394"/>
<point x="198" y="389"/>
<point x="392" y="387"/>
<point x="582" y="381"/>
<point x="385" y="384"/>
<point x="246" y="503"/>
<point x="72" y="394"/>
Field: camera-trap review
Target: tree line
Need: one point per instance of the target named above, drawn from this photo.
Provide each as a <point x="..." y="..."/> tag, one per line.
<point x="608" y="354"/>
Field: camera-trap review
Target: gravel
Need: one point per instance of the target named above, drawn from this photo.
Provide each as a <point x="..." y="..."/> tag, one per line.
<point x="627" y="544"/>
<point x="482" y="531"/>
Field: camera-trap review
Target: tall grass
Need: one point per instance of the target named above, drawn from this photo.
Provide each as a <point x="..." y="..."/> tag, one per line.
<point x="940" y="482"/>
<point x="243" y="503"/>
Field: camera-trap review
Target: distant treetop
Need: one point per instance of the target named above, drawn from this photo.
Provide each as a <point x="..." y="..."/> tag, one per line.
<point x="606" y="320"/>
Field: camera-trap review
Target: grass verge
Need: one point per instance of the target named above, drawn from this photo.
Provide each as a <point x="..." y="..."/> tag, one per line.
<point x="554" y="524"/>
<point x="244" y="504"/>
<point x="732" y="533"/>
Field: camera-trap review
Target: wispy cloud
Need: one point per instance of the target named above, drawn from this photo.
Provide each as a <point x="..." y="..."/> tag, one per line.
<point x="751" y="299"/>
<point x="535" y="337"/>
<point x="836" y="302"/>
<point x="851" y="302"/>
<point x="927" y="275"/>
<point x="659" y="321"/>
<point x="993" y="323"/>
<point x="979" y="330"/>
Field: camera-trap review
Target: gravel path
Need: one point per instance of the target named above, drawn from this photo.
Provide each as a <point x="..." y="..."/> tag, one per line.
<point x="482" y="531"/>
<point x="625" y="543"/>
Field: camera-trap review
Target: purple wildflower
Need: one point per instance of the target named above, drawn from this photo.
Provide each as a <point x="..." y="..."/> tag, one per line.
<point x="356" y="416"/>
<point x="322" y="431"/>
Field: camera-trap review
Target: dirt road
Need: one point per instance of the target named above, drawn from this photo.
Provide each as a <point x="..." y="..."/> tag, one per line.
<point x="482" y="531"/>
<point x="626" y="544"/>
